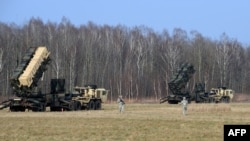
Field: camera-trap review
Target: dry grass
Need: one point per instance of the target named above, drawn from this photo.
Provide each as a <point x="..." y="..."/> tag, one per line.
<point x="206" y="108"/>
<point x="139" y="122"/>
<point x="240" y="97"/>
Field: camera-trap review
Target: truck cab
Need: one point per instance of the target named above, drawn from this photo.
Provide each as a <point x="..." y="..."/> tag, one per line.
<point x="222" y="94"/>
<point x="90" y="97"/>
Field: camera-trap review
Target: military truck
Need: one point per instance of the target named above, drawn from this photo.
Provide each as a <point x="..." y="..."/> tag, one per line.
<point x="90" y="97"/>
<point x="221" y="94"/>
<point x="177" y="85"/>
<point x="25" y="82"/>
<point x="215" y="95"/>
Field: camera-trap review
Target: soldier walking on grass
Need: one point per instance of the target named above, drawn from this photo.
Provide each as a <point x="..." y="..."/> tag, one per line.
<point x="184" y="104"/>
<point x="121" y="103"/>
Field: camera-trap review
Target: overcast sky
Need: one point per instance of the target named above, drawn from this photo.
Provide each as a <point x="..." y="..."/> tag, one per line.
<point x="209" y="17"/>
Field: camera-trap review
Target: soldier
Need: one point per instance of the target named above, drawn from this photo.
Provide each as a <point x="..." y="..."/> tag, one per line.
<point x="121" y="103"/>
<point x="184" y="104"/>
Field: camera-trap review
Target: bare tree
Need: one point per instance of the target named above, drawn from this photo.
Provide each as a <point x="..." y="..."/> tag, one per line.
<point x="1" y="60"/>
<point x="135" y="62"/>
<point x="223" y="57"/>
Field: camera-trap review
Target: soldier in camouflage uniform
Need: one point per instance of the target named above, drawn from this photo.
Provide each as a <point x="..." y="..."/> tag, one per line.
<point x="184" y="104"/>
<point x="121" y="103"/>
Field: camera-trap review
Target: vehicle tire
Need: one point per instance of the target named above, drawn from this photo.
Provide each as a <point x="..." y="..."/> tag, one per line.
<point x="71" y="106"/>
<point x="17" y="109"/>
<point x="78" y="105"/>
<point x="43" y="107"/>
<point x="12" y="109"/>
<point x="35" y="109"/>
<point x="52" y="109"/>
<point x="98" y="105"/>
<point x="222" y="100"/>
<point x="211" y="100"/>
<point x="22" y="109"/>
<point x="91" y="105"/>
<point x="227" y="99"/>
<point x="170" y="102"/>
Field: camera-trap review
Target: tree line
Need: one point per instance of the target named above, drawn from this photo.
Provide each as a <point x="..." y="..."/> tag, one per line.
<point x="136" y="62"/>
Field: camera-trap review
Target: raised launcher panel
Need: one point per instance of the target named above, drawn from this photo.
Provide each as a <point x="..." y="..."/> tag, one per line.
<point x="26" y="78"/>
<point x="30" y="70"/>
<point x="181" y="78"/>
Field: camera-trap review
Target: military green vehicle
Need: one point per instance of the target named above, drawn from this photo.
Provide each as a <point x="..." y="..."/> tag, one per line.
<point x="177" y="85"/>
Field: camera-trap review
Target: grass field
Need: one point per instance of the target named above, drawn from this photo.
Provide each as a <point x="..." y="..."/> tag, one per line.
<point x="139" y="122"/>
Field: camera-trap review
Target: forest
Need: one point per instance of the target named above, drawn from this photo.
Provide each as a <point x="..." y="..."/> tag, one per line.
<point x="136" y="62"/>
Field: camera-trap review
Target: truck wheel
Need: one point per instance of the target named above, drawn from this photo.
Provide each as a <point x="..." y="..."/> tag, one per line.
<point x="71" y="106"/>
<point x="223" y="100"/>
<point x="172" y="102"/>
<point x="91" y="105"/>
<point x="22" y="109"/>
<point x="13" y="109"/>
<point x="211" y="100"/>
<point x="98" y="105"/>
<point x="52" y="109"/>
<point x="78" y="105"/>
<point x="43" y="107"/>
<point x="227" y="99"/>
<point x="17" y="109"/>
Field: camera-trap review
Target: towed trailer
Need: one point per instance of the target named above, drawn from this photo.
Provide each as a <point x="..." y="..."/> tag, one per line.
<point x="177" y="85"/>
<point x="25" y="81"/>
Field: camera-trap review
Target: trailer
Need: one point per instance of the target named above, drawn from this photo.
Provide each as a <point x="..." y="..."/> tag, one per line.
<point x="177" y="85"/>
<point x="28" y="96"/>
